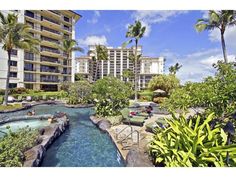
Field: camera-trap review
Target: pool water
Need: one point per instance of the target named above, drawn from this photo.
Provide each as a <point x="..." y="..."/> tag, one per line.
<point x="82" y="145"/>
<point x="34" y="124"/>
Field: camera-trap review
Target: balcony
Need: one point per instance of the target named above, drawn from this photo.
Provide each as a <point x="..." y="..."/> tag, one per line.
<point x="55" y="12"/>
<point x="13" y="68"/>
<point x="29" y="69"/>
<point x="50" y="50"/>
<point x="29" y="80"/>
<point x="49" y="80"/>
<point x="32" y="16"/>
<point x="50" y="70"/>
<point x="49" y="22"/>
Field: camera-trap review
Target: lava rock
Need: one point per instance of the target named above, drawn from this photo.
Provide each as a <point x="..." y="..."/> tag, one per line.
<point x="104" y="124"/>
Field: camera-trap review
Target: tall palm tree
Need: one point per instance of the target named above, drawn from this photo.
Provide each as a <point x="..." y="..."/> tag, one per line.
<point x="15" y="35"/>
<point x="135" y="33"/>
<point x="69" y="46"/>
<point x="218" y="20"/>
<point x="175" y="68"/>
<point x="100" y="53"/>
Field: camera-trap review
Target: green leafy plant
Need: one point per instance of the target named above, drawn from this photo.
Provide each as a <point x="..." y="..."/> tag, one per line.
<point x="110" y="95"/>
<point x="192" y="142"/>
<point x="80" y="92"/>
<point x="14" y="144"/>
<point x="164" y="82"/>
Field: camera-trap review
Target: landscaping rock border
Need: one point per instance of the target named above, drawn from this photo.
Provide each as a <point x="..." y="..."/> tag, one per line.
<point x="34" y="156"/>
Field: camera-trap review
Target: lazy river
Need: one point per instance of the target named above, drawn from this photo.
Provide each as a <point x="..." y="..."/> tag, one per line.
<point x="82" y="145"/>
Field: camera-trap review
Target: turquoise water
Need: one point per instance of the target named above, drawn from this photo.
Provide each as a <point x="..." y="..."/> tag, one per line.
<point x="35" y="124"/>
<point x="82" y="145"/>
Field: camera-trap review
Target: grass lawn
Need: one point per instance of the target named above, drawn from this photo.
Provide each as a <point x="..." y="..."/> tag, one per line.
<point x="10" y="107"/>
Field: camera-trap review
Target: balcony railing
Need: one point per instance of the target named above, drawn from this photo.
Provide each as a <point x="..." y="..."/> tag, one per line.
<point x="50" y="70"/>
<point x="32" y="16"/>
<point x="50" y="50"/>
<point x="55" y="12"/>
<point x="29" y="69"/>
<point x="50" y="61"/>
<point x="50" y="40"/>
<point x="29" y="80"/>
<point x="50" y="30"/>
<point x="49" y="80"/>
<point x="50" y="20"/>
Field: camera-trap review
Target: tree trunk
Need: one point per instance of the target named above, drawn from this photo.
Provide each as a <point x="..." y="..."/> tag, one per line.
<point x="7" y="79"/>
<point x="224" y="47"/>
<point x="136" y="72"/>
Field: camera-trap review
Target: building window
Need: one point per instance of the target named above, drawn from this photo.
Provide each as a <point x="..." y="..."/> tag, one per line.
<point x="14" y="52"/>
<point x="13" y="74"/>
<point x="29" y="86"/>
<point x="29" y="77"/>
<point x="13" y="63"/>
<point x="66" y="19"/>
<point x="12" y="85"/>
<point x="29" y="56"/>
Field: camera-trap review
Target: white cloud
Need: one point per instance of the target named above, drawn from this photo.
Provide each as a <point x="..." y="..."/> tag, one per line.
<point x="148" y="18"/>
<point x="93" y="40"/>
<point x="95" y="17"/>
<point x="196" y="65"/>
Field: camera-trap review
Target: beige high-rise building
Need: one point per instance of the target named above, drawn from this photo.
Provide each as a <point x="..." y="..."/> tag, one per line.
<point x="118" y="61"/>
<point x="43" y="71"/>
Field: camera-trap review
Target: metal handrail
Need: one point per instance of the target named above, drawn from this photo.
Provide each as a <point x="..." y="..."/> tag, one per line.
<point x="131" y="133"/>
<point x="131" y="128"/>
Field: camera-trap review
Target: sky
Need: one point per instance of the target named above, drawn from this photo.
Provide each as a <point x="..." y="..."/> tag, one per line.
<point x="170" y="34"/>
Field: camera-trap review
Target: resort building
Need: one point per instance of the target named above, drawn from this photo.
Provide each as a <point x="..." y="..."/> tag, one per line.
<point x="43" y="71"/>
<point x="119" y="60"/>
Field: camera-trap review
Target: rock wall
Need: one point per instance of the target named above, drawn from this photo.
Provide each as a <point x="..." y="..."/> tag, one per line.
<point x="34" y="156"/>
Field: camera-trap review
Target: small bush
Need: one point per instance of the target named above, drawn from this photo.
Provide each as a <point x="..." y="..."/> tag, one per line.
<point x="18" y="90"/>
<point x="159" y="99"/>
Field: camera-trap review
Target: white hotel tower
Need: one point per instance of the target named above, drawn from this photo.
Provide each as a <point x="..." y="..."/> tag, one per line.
<point x="118" y="61"/>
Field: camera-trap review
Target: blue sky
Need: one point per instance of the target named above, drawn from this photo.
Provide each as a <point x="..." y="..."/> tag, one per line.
<point x="169" y="33"/>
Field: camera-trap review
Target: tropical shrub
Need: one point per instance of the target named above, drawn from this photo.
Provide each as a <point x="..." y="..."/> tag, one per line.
<point x="13" y="145"/>
<point x="193" y="142"/>
<point x="18" y="90"/>
<point x="145" y="95"/>
<point x="80" y="92"/>
<point x="216" y="94"/>
<point x="159" y="100"/>
<point x="110" y="95"/>
<point x="164" y="82"/>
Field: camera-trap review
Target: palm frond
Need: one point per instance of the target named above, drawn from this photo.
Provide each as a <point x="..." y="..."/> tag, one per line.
<point x="124" y="45"/>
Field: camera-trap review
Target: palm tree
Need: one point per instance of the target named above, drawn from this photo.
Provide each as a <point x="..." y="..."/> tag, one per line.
<point x="69" y="46"/>
<point x="218" y="20"/>
<point x="100" y="54"/>
<point x="175" y="68"/>
<point x="15" y="35"/>
<point x="135" y="32"/>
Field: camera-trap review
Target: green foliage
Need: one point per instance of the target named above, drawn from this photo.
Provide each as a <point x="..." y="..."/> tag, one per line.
<point x="110" y="95"/>
<point x="19" y="90"/>
<point x="10" y="107"/>
<point x="79" y="92"/>
<point x="65" y="86"/>
<point x="191" y="143"/>
<point x="216" y="94"/>
<point x="79" y="77"/>
<point x="175" y="68"/>
<point x="164" y="82"/>
<point x="145" y="95"/>
<point x="13" y="146"/>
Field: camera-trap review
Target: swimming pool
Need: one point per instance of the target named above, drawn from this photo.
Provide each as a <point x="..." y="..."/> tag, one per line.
<point x="82" y="145"/>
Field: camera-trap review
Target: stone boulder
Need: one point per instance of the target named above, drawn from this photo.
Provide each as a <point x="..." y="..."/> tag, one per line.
<point x="137" y="158"/>
<point x="94" y="119"/>
<point x="104" y="125"/>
